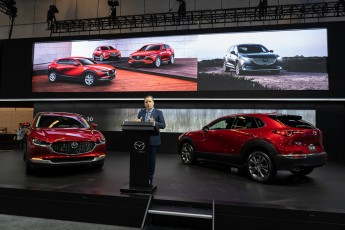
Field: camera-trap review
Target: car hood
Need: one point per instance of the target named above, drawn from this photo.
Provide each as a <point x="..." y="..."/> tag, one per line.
<point x="145" y="53"/>
<point x="259" y="55"/>
<point x="70" y="134"/>
<point x="102" y="67"/>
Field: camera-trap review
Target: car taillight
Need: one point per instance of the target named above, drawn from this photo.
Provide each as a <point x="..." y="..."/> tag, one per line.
<point x="286" y="133"/>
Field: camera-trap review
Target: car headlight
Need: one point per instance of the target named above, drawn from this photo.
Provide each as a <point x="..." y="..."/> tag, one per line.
<point x="100" y="141"/>
<point x="101" y="71"/>
<point x="279" y="58"/>
<point x="244" y="60"/>
<point x="39" y="142"/>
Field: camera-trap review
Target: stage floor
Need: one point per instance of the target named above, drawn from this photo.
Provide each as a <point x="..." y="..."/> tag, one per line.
<point x="322" y="190"/>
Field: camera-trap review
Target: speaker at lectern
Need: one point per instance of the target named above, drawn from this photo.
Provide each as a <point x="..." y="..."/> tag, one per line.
<point x="138" y="136"/>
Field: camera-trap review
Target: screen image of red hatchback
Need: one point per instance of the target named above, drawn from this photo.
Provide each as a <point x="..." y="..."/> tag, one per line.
<point x="80" y="69"/>
<point x="152" y="54"/>
<point x="105" y="53"/>
<point x="257" y="144"/>
<point x="62" y="139"/>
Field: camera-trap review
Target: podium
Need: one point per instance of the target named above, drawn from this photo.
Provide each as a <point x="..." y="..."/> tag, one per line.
<point x="138" y="136"/>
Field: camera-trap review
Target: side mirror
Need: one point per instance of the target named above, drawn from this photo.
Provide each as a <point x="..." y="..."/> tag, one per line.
<point x="93" y="125"/>
<point x="205" y="128"/>
<point x="25" y="124"/>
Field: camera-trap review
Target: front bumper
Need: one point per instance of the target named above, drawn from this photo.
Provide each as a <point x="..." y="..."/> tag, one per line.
<point x="66" y="161"/>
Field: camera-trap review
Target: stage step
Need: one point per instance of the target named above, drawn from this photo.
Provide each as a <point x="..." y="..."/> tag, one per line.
<point x="180" y="215"/>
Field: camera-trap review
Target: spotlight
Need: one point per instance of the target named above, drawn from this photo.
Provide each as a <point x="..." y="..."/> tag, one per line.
<point x="113" y="3"/>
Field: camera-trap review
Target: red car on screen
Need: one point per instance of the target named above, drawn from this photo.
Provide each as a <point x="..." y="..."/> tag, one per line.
<point x="257" y="144"/>
<point x="62" y="139"/>
<point x="80" y="69"/>
<point x="152" y="54"/>
<point x="104" y="53"/>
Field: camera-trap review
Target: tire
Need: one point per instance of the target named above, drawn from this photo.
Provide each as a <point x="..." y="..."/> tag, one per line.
<point x="187" y="153"/>
<point x="29" y="170"/>
<point x="225" y="68"/>
<point x="158" y="62"/>
<point x="101" y="58"/>
<point x="89" y="79"/>
<point x="238" y="69"/>
<point x="52" y="76"/>
<point x="260" y="167"/>
<point x="302" y="171"/>
<point x="172" y="60"/>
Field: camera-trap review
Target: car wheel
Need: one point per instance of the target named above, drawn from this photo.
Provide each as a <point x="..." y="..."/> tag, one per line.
<point x="101" y="58"/>
<point x="225" y="68"/>
<point x="260" y="167"/>
<point x="89" y="79"/>
<point x="172" y="59"/>
<point x="301" y="171"/>
<point x="52" y="77"/>
<point x="187" y="153"/>
<point x="238" y="69"/>
<point x="158" y="62"/>
<point x="28" y="167"/>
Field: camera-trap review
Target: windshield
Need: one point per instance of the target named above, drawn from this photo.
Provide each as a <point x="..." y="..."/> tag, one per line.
<point x="150" y="47"/>
<point x="60" y="122"/>
<point x="252" y="49"/>
<point x="293" y="121"/>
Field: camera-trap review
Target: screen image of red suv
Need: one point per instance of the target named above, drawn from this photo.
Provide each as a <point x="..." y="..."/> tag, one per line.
<point x="257" y="144"/>
<point x="104" y="53"/>
<point x="80" y="69"/>
<point x="152" y="54"/>
<point x="62" y="139"/>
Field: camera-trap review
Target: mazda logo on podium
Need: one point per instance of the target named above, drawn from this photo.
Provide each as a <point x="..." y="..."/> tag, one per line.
<point x="139" y="145"/>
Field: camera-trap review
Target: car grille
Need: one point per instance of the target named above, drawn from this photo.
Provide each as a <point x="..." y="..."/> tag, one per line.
<point x="113" y="54"/>
<point x="138" y="57"/>
<point x="264" y="61"/>
<point x="111" y="72"/>
<point x="73" y="147"/>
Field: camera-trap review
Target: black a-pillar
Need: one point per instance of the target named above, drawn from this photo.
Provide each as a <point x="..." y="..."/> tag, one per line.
<point x="138" y="136"/>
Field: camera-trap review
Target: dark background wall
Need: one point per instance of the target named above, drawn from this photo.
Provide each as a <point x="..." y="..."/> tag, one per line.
<point x="16" y="72"/>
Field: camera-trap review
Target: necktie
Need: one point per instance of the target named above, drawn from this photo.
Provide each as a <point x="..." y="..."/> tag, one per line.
<point x="148" y="115"/>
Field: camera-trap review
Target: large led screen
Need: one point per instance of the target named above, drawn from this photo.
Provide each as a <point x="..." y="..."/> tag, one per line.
<point x="261" y="60"/>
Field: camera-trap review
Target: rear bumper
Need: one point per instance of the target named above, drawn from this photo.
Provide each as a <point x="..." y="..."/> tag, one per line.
<point x="288" y="162"/>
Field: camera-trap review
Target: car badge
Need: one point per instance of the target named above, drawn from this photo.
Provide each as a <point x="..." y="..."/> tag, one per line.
<point x="264" y="59"/>
<point x="138" y="56"/>
<point x="139" y="145"/>
<point x="74" y="145"/>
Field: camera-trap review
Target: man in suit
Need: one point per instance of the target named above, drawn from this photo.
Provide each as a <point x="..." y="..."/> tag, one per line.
<point x="150" y="114"/>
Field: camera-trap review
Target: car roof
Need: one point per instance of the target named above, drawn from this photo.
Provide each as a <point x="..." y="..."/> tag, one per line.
<point x="260" y="115"/>
<point x="58" y="114"/>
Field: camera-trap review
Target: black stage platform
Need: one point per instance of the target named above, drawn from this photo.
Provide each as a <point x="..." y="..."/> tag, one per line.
<point x="226" y="200"/>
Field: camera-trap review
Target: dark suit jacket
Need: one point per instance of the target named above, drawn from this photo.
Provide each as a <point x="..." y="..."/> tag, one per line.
<point x="159" y="123"/>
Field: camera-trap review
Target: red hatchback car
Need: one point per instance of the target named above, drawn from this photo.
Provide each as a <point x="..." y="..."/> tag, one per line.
<point x="80" y="69"/>
<point x="257" y="144"/>
<point x="103" y="53"/>
<point x="61" y="139"/>
<point x="152" y="54"/>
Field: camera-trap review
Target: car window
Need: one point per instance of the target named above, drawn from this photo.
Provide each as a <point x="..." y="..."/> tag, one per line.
<point x="63" y="62"/>
<point x="224" y="123"/>
<point x="292" y="121"/>
<point x="85" y="61"/>
<point x="244" y="122"/>
<point x="59" y="122"/>
<point x="73" y="62"/>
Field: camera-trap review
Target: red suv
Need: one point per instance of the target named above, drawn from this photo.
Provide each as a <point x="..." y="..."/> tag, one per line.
<point x="152" y="54"/>
<point x="60" y="139"/>
<point x="80" y="69"/>
<point x="258" y="144"/>
<point x="106" y="53"/>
